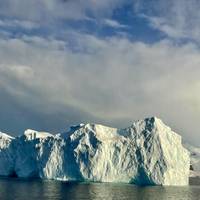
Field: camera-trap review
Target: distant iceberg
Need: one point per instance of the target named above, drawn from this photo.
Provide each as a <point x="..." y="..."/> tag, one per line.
<point x="194" y="159"/>
<point x="146" y="153"/>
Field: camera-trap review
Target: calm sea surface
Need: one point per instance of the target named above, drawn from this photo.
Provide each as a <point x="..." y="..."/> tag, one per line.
<point x="17" y="189"/>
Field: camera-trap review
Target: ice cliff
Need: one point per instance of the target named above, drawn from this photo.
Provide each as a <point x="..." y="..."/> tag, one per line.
<point x="6" y="155"/>
<point x="146" y="153"/>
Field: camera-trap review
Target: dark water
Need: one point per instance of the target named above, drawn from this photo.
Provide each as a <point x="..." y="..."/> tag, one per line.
<point x="16" y="189"/>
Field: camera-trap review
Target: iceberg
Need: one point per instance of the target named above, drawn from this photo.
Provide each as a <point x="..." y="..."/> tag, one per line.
<point x="194" y="159"/>
<point x="146" y="153"/>
<point x="6" y="155"/>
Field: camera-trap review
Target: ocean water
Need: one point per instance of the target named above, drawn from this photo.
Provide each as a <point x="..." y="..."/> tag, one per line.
<point x="19" y="189"/>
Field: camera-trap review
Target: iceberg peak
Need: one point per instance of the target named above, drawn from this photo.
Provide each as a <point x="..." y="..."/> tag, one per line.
<point x="5" y="136"/>
<point x="32" y="134"/>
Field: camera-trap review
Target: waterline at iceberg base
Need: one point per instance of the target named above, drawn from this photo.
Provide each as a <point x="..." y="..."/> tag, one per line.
<point x="146" y="153"/>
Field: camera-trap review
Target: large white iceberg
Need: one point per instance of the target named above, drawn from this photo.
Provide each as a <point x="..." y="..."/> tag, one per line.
<point x="146" y="153"/>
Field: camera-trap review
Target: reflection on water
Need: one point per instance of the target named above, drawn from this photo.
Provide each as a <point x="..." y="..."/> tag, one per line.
<point x="35" y="189"/>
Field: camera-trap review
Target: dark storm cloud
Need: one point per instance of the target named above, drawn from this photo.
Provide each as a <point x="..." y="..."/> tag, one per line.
<point x="16" y="116"/>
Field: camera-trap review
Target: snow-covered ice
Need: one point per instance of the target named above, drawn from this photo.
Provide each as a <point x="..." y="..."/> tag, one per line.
<point x="146" y="153"/>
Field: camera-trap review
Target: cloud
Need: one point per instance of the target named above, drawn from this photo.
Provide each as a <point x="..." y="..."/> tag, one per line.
<point x="16" y="116"/>
<point x="42" y="10"/>
<point x="18" y="24"/>
<point x="161" y="25"/>
<point x="22" y="72"/>
<point x="177" y="19"/>
<point x="52" y="77"/>
<point x="111" y="81"/>
<point x="114" y="24"/>
<point x="53" y="17"/>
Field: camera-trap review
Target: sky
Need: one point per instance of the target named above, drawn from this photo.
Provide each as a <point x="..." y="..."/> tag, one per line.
<point x="65" y="62"/>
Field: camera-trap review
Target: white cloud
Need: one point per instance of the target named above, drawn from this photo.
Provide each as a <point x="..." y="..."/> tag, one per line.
<point x="47" y="10"/>
<point x="161" y="25"/>
<point x="18" y="71"/>
<point x="114" y="81"/>
<point x="111" y="80"/>
<point x="18" y="23"/>
<point x="114" y="24"/>
<point x="178" y="19"/>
